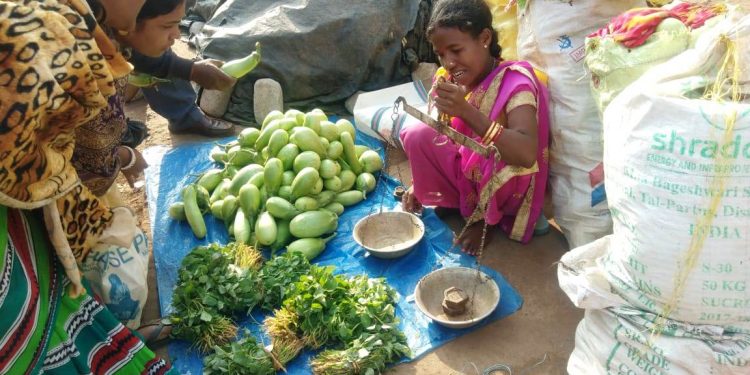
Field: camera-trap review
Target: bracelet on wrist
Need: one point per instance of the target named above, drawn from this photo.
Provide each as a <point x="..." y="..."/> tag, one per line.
<point x="132" y="159"/>
<point x="492" y="133"/>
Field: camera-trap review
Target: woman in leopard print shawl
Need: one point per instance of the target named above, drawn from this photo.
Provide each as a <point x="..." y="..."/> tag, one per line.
<point x="57" y="71"/>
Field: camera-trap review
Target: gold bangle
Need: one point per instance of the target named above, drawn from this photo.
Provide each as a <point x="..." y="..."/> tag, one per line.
<point x="497" y="135"/>
<point x="490" y="134"/>
<point x="489" y="131"/>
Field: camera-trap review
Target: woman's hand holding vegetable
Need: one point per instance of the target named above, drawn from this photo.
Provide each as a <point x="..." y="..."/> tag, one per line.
<point x="207" y="74"/>
<point x="451" y="100"/>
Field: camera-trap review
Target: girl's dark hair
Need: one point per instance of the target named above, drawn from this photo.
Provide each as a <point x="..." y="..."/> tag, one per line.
<point x="471" y="16"/>
<point x="156" y="8"/>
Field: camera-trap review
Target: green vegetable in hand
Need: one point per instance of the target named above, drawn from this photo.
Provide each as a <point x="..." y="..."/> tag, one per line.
<point x="144" y="80"/>
<point x="238" y="68"/>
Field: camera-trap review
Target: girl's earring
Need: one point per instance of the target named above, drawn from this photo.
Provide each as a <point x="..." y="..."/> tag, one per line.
<point x="485" y="46"/>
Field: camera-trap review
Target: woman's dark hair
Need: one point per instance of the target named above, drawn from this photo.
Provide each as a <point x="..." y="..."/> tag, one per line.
<point x="471" y="16"/>
<point x="97" y="10"/>
<point x="156" y="8"/>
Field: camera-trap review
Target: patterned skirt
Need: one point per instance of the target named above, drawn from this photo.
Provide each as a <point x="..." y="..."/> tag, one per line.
<point x="43" y="329"/>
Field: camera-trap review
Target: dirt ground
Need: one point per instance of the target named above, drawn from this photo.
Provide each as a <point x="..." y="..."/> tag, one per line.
<point x="542" y="331"/>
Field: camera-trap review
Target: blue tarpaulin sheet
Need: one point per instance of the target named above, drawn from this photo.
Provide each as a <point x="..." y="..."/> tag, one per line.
<point x="170" y="170"/>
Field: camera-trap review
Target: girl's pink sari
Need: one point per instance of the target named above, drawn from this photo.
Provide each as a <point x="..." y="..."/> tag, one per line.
<point x="453" y="176"/>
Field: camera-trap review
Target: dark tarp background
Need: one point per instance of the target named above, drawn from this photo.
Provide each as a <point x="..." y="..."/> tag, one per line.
<point x="320" y="51"/>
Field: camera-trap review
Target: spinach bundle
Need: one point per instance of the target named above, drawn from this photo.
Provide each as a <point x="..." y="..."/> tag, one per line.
<point x="210" y="289"/>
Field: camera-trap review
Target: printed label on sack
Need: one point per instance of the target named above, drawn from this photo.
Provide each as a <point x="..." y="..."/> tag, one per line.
<point x="679" y="197"/>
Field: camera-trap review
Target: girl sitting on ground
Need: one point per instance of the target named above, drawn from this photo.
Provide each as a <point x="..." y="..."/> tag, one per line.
<point x="497" y="103"/>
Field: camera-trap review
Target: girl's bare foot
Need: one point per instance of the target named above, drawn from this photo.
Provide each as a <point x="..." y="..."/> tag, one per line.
<point x="471" y="241"/>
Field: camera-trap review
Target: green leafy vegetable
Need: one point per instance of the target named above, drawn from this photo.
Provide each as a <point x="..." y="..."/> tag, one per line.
<point x="278" y="275"/>
<point x="244" y="356"/>
<point x="368" y="354"/>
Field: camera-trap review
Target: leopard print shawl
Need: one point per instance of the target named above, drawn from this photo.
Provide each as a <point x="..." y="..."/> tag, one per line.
<point x="57" y="70"/>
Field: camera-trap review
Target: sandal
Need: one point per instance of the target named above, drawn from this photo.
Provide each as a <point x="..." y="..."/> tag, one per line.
<point x="158" y="334"/>
<point x="205" y="126"/>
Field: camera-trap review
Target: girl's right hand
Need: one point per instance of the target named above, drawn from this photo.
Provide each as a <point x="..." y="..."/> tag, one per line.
<point x="409" y="201"/>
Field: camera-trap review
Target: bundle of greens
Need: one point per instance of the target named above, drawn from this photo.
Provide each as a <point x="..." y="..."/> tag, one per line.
<point x="314" y="299"/>
<point x="211" y="287"/>
<point x="368" y="301"/>
<point x="244" y="356"/>
<point x="353" y="317"/>
<point x="367" y="354"/>
<point x="278" y="276"/>
<point x="356" y="314"/>
<point x="282" y="327"/>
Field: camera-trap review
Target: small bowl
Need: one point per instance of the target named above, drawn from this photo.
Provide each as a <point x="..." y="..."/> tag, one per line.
<point x="484" y="295"/>
<point x="389" y="234"/>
